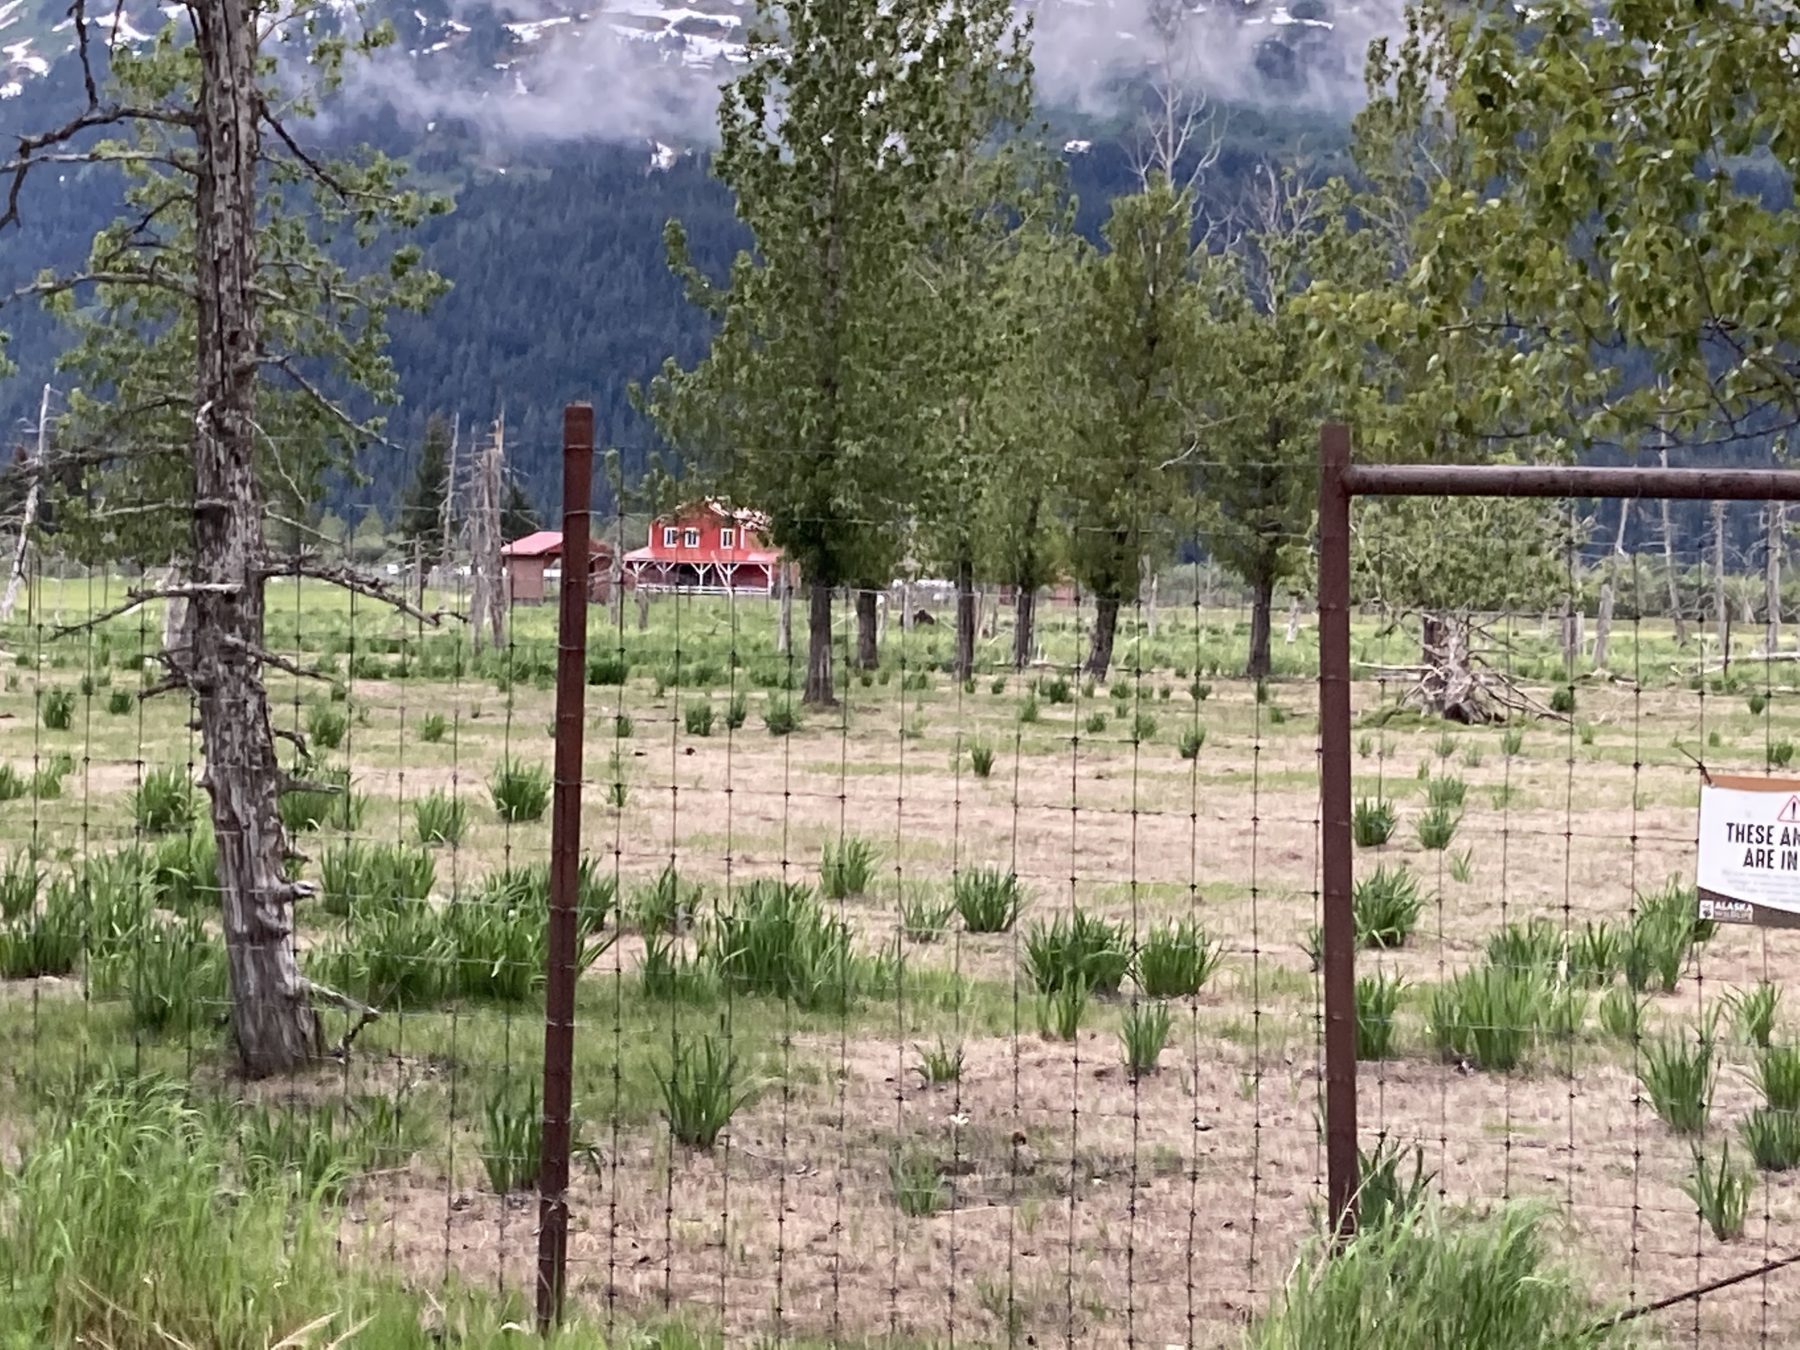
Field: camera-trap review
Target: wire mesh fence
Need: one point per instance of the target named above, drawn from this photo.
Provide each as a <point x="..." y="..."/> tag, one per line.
<point x="973" y="1006"/>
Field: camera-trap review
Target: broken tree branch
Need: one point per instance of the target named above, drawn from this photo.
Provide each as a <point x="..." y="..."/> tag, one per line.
<point x="185" y="591"/>
<point x="351" y="580"/>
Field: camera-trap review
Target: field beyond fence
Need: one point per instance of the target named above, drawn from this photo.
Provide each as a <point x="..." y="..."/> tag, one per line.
<point x="982" y="1012"/>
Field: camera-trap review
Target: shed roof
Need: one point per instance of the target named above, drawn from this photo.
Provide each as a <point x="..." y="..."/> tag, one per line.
<point x="548" y="544"/>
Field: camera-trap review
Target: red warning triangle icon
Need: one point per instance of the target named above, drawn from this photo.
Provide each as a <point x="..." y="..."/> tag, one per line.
<point x="1791" y="812"/>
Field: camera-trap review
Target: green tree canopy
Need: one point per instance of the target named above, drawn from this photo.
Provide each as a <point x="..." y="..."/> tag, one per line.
<point x="841" y="140"/>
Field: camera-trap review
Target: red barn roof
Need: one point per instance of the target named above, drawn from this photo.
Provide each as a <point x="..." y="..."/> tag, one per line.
<point x="548" y="544"/>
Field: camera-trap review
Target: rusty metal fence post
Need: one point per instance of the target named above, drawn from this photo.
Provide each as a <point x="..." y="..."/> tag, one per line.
<point x="1339" y="936"/>
<point x="565" y="852"/>
<point x="1340" y="482"/>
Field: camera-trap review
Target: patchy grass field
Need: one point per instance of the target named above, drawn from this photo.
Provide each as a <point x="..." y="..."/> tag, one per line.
<point x="915" y="1068"/>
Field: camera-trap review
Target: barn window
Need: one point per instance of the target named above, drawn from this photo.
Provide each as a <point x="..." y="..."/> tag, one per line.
<point x="670" y="535"/>
<point x="690" y="539"/>
<point x="727" y="538"/>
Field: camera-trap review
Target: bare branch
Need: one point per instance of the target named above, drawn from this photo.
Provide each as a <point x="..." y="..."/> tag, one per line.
<point x="351" y="580"/>
<point x="167" y="686"/>
<point x="275" y="659"/>
<point x="364" y="1013"/>
<point x="291" y="784"/>
<point x="316" y="169"/>
<point x="186" y="591"/>
<point x="325" y="403"/>
<point x="295" y="739"/>
<point x="61" y="285"/>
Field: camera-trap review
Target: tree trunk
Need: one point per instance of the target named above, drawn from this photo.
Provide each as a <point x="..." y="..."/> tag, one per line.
<point x="643" y="610"/>
<point x="868" y="629"/>
<point x="1668" y="542"/>
<point x="1106" y="625"/>
<point x="1262" y="602"/>
<point x="1432" y="629"/>
<point x="1603" y="625"/>
<point x="1776" y="513"/>
<point x="965" y="620"/>
<point x="271" y="1020"/>
<point x="1721" y="616"/>
<point x="883" y="603"/>
<point x="28" y="517"/>
<point x="1147" y="588"/>
<point x="1024" y="617"/>
<point x="616" y="568"/>
<point x="818" y="690"/>
<point x="1293" y="623"/>
<point x="784" y="619"/>
<point x="177" y="634"/>
<point x="1609" y="590"/>
<point x="906" y="614"/>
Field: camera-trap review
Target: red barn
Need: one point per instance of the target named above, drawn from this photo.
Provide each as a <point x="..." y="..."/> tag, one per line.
<point x="707" y="547"/>
<point x="528" y="559"/>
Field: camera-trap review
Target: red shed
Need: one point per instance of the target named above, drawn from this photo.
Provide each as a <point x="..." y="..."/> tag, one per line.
<point x="707" y="547"/>
<point x="528" y="560"/>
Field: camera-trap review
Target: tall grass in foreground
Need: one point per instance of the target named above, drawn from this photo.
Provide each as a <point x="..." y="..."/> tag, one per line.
<point x="1436" y="1280"/>
<point x="112" y="1233"/>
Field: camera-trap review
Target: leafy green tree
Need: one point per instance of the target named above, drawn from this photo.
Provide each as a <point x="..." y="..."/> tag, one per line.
<point x="1135" y="339"/>
<point x="977" y="295"/>
<point x="1022" y="536"/>
<point x="1427" y="376"/>
<point x="422" y="519"/>
<point x="205" y="321"/>
<point x="1256" y="472"/>
<point x="841" y="139"/>
<point x="518" y="515"/>
<point x="1592" y="211"/>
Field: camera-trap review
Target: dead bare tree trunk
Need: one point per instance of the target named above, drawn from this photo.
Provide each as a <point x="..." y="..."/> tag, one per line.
<point x="1293" y="623"/>
<point x="1721" y="616"/>
<point x="1603" y="624"/>
<point x="1668" y="543"/>
<point x="818" y="691"/>
<point x="868" y="634"/>
<point x="965" y="619"/>
<point x="177" y="640"/>
<point x="272" y="1020"/>
<point x="1569" y="627"/>
<point x="1024" y="615"/>
<point x="1776" y="517"/>
<point x="28" y="517"/>
<point x="447" y="508"/>
<point x="1608" y="591"/>
<point x="1106" y="626"/>
<point x="1262" y="602"/>
<point x="487" y="599"/>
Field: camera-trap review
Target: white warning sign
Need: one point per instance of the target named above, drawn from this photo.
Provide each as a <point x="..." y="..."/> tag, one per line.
<point x="1750" y="850"/>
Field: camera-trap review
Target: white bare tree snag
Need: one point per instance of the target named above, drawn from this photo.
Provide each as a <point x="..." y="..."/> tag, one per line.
<point x="487" y="590"/>
<point x="34" y="473"/>
<point x="1721" y="615"/>
<point x="1775" y="518"/>
<point x="1668" y="543"/>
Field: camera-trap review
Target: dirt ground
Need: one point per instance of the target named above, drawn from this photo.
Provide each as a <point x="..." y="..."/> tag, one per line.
<point x="1080" y="1206"/>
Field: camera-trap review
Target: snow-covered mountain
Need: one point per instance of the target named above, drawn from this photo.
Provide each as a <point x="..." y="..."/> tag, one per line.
<point x="579" y="68"/>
